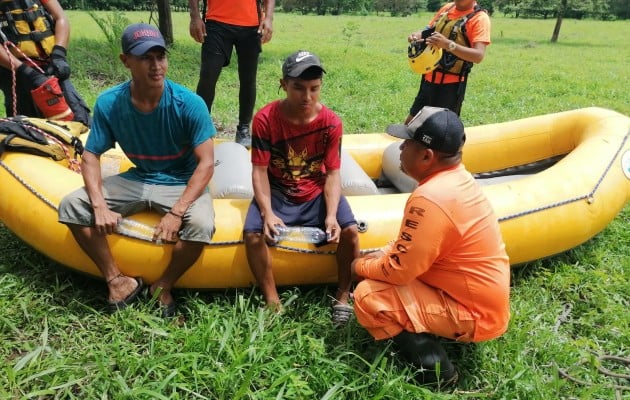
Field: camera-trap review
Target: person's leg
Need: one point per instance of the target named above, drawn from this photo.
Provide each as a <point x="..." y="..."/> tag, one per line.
<point x="196" y="231"/>
<point x="459" y="99"/>
<point x="427" y="355"/>
<point x="248" y="48"/>
<point x="216" y="52"/>
<point x="96" y="247"/>
<point x="259" y="261"/>
<point x="448" y="96"/>
<point x="75" y="210"/>
<point x="423" y="98"/>
<point x="184" y="255"/>
<point x="23" y="101"/>
<point x="347" y="250"/>
<point x="411" y="315"/>
<point x="258" y="256"/>
<point x="313" y="213"/>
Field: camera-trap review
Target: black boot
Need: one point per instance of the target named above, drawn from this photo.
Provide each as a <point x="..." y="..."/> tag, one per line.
<point x="425" y="353"/>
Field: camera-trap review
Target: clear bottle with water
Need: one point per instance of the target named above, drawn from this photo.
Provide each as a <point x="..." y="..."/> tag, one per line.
<point x="303" y="234"/>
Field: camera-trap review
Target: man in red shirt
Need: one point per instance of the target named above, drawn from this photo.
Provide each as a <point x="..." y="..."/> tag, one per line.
<point x="240" y="24"/>
<point x="296" y="159"/>
<point x="447" y="273"/>
<point x="462" y="30"/>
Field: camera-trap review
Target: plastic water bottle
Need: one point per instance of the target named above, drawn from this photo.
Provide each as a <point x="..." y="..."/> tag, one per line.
<point x="303" y="234"/>
<point x="137" y="230"/>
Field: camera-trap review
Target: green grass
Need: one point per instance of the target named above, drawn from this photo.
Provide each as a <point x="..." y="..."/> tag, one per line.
<point x="369" y="83"/>
<point x="58" y="341"/>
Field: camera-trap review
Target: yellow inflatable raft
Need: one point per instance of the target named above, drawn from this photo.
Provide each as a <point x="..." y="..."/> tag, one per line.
<point x="541" y="213"/>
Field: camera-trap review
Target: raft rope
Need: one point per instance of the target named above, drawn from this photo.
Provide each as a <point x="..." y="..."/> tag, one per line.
<point x="588" y="197"/>
<point x="563" y="317"/>
<point x="125" y="225"/>
<point x="129" y="228"/>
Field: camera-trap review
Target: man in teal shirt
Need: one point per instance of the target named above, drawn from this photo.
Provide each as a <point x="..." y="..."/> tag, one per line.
<point x="165" y="130"/>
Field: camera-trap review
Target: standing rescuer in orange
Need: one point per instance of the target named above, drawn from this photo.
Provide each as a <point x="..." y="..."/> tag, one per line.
<point x="447" y="273"/>
<point x="462" y="30"/>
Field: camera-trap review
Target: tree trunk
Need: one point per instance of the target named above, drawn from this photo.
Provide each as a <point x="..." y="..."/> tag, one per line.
<point x="165" y="21"/>
<point x="562" y="6"/>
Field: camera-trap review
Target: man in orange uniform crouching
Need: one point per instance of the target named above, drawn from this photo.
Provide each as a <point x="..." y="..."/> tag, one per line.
<point x="447" y="274"/>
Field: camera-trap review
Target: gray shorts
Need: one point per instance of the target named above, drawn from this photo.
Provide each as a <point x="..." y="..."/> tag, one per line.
<point x="130" y="197"/>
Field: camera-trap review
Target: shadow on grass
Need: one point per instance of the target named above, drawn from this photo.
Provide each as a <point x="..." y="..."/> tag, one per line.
<point x="517" y="42"/>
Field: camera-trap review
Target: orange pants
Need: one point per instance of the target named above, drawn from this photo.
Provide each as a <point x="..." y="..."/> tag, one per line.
<point x="385" y="310"/>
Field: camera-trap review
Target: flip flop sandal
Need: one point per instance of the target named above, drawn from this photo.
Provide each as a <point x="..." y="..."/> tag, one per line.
<point x="341" y="314"/>
<point x="168" y="310"/>
<point x="131" y="297"/>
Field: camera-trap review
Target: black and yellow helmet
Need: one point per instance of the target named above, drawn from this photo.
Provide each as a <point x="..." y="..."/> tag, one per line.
<point x="423" y="57"/>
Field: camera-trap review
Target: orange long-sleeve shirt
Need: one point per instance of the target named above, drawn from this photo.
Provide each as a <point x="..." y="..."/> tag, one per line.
<point x="450" y="239"/>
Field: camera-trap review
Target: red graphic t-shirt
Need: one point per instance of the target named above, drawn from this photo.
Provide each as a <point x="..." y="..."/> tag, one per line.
<point x="297" y="156"/>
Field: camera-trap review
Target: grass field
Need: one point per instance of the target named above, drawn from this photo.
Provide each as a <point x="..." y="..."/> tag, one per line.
<point x="58" y="341"/>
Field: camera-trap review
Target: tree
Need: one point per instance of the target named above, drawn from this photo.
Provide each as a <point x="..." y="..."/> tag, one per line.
<point x="562" y="7"/>
<point x="165" y="21"/>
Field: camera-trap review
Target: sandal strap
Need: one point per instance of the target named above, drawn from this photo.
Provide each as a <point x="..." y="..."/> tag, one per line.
<point x="120" y="274"/>
<point x="341" y="314"/>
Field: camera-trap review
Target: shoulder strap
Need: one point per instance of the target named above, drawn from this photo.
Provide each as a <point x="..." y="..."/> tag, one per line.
<point x="66" y="131"/>
<point x="461" y="24"/>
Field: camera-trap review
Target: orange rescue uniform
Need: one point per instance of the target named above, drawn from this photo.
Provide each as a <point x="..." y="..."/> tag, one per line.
<point x="446" y="274"/>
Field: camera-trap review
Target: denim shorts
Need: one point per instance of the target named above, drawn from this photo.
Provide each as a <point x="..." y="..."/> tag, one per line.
<point x="310" y="213"/>
<point x="130" y="197"/>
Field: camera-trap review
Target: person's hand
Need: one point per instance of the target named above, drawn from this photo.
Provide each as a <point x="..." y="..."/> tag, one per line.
<point x="333" y="230"/>
<point x="105" y="220"/>
<point x="420" y="36"/>
<point x="374" y="254"/>
<point x="415" y="37"/>
<point x="265" y="31"/>
<point x="197" y="29"/>
<point x="58" y="63"/>
<point x="437" y="40"/>
<point x="168" y="228"/>
<point x="269" y="228"/>
<point x="35" y="77"/>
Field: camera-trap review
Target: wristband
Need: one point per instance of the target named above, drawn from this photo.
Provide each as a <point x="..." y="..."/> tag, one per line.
<point x="177" y="215"/>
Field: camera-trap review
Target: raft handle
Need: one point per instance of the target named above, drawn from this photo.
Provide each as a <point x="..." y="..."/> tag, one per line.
<point x="362" y="226"/>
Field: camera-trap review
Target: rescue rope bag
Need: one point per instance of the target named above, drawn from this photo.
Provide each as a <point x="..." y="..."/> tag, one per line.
<point x="50" y="101"/>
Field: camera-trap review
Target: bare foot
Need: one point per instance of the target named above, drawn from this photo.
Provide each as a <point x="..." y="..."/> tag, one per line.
<point x="275" y="307"/>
